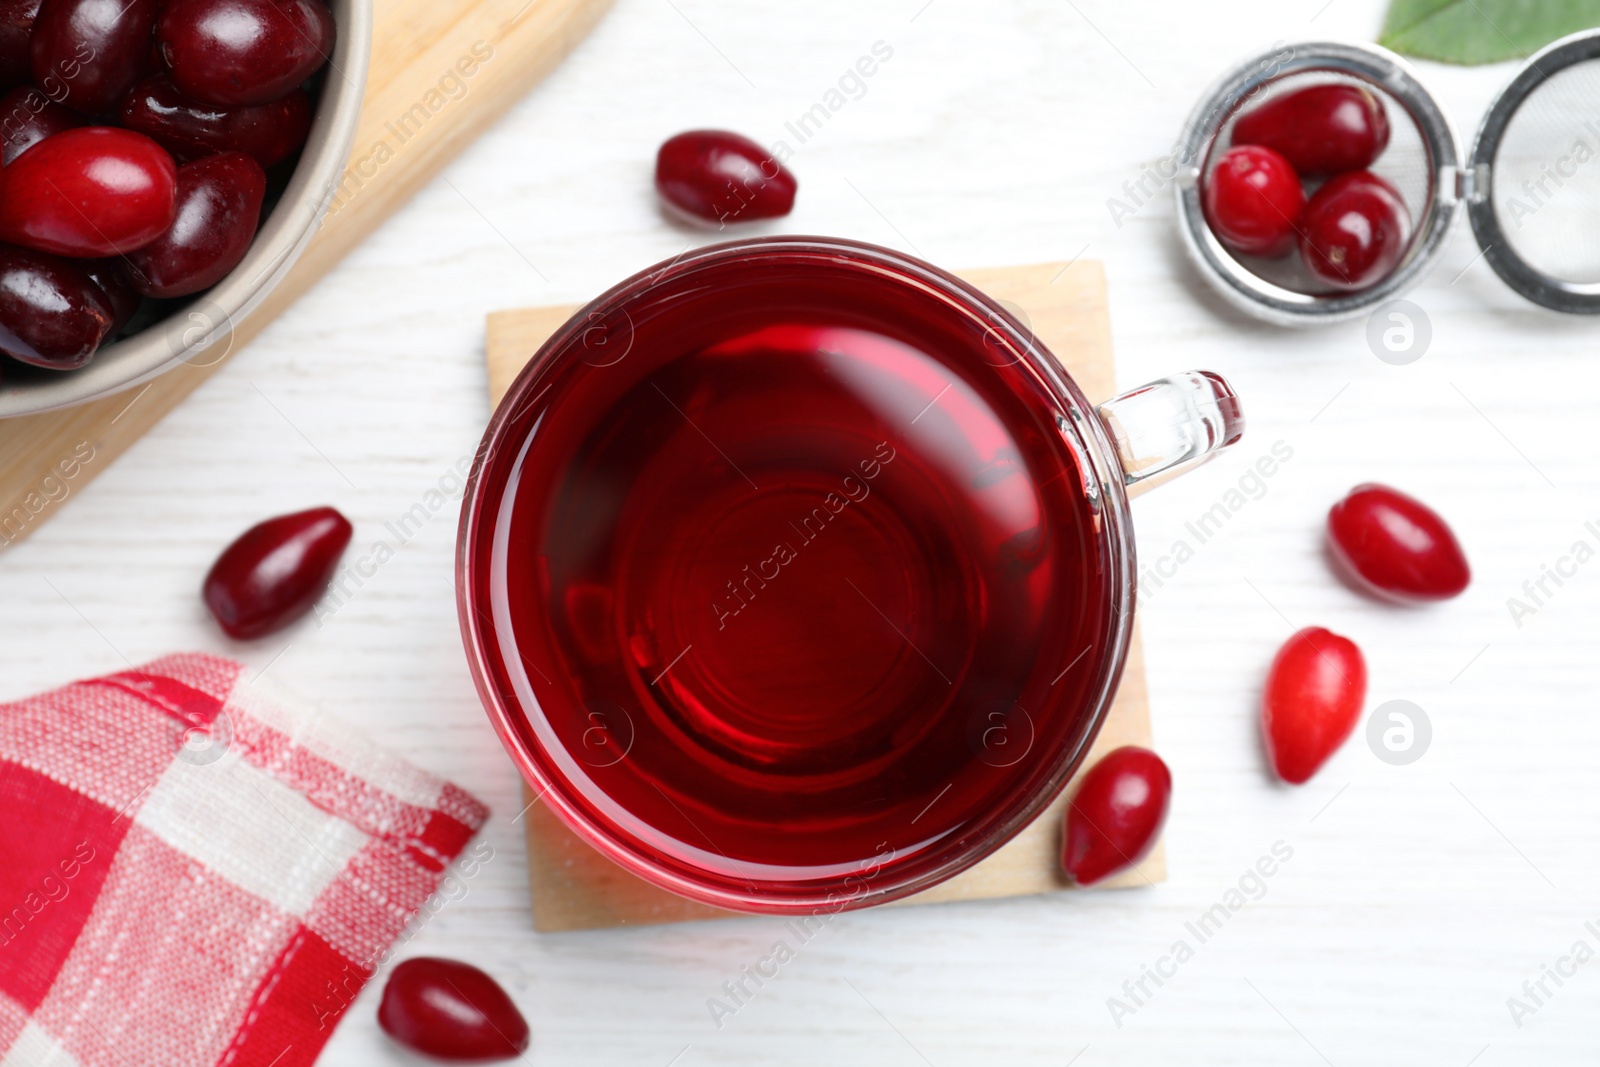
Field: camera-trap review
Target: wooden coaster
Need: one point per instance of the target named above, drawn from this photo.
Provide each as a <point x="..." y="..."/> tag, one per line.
<point x="408" y="131"/>
<point x="576" y="888"/>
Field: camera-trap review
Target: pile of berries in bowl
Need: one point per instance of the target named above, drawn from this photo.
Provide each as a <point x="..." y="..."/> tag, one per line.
<point x="144" y="145"/>
<point x="1297" y="181"/>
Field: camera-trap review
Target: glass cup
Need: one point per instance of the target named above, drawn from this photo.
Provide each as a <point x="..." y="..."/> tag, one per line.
<point x="795" y="573"/>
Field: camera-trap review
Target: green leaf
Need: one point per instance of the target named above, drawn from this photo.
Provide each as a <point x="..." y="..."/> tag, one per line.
<point x="1482" y="31"/>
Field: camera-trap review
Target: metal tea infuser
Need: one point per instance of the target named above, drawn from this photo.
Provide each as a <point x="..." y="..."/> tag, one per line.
<point x="1529" y="186"/>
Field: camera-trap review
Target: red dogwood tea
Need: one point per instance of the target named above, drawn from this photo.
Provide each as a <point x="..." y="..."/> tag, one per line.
<point x="797" y="576"/>
<point x="794" y="573"/>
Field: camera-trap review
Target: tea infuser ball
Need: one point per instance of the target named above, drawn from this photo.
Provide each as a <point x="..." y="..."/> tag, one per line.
<point x="1384" y="180"/>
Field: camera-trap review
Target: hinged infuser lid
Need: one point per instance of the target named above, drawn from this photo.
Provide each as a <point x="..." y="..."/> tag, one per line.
<point x="1534" y="198"/>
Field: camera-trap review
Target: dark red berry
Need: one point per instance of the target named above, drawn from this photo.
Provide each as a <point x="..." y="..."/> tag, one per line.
<point x="451" y="1011"/>
<point x="275" y="571"/>
<point x="1320" y="130"/>
<point x="722" y="177"/>
<point x="52" y="314"/>
<point x="1116" y="814"/>
<point x="269" y="132"/>
<point x="1354" y="230"/>
<point x="1253" y="201"/>
<point x="27" y="117"/>
<point x="16" y="30"/>
<point x="111" y="275"/>
<point x="87" y="53"/>
<point x="235" y="53"/>
<point x="91" y="192"/>
<point x="219" y="206"/>
<point x="1395" y="546"/>
<point x="1313" y="698"/>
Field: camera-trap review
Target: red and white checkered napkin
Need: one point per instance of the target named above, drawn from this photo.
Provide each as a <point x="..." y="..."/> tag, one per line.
<point x="193" y="873"/>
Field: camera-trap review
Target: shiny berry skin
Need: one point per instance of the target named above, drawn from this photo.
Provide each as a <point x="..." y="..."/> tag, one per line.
<point x="219" y="206"/>
<point x="1313" y="698"/>
<point x="52" y="314"/>
<point x="269" y="132"/>
<point x="1116" y="814"/>
<point x="1320" y="130"/>
<point x="722" y="177"/>
<point x="16" y="30"/>
<point x="1396" y="547"/>
<point x="451" y="1011"/>
<point x="91" y="192"/>
<point x="1354" y="230"/>
<point x="27" y="117"/>
<point x="1253" y="201"/>
<point x="275" y="571"/>
<point x="111" y="275"/>
<point x="87" y="53"/>
<point x="234" y="53"/>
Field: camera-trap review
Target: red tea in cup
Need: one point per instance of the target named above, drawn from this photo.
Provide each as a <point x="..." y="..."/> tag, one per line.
<point x="792" y="575"/>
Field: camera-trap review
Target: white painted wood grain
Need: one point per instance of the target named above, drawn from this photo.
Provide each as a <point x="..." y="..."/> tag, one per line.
<point x="1417" y="900"/>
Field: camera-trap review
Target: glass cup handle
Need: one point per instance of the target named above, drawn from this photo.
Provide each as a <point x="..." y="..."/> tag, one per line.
<point x="1172" y="424"/>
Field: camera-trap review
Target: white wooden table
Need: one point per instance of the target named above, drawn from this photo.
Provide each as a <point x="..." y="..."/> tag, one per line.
<point x="1418" y="898"/>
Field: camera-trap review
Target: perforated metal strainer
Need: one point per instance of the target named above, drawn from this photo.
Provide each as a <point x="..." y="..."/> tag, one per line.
<point x="1534" y="199"/>
<point x="1530" y="186"/>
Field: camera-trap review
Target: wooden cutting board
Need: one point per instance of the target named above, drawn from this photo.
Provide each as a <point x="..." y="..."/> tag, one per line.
<point x="414" y="44"/>
<point x="576" y="888"/>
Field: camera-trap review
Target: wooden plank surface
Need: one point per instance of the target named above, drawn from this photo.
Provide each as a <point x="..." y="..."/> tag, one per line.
<point x="575" y="888"/>
<point x="420" y="109"/>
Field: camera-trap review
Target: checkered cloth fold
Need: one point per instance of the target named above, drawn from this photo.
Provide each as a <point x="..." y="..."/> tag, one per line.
<point x="196" y="873"/>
